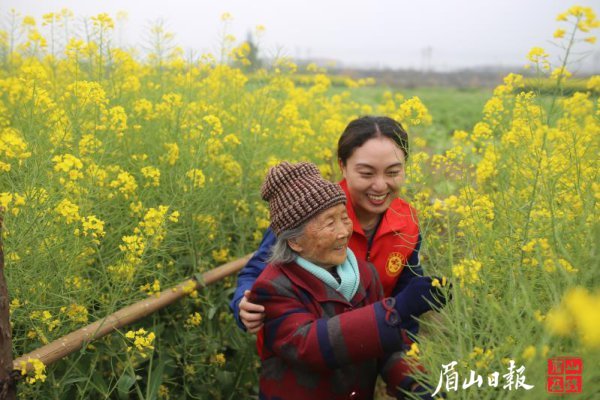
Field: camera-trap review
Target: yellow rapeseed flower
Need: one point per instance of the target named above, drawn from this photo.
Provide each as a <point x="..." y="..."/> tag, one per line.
<point x="125" y="183"/>
<point x="77" y="313"/>
<point x="221" y="255"/>
<point x="152" y="225"/>
<point x="232" y="139"/>
<point x="413" y="112"/>
<point x="194" y="320"/>
<point x="414" y="351"/>
<point x="172" y="153"/>
<point x="116" y="120"/>
<point x="437" y="283"/>
<point x="133" y="248"/>
<point x="136" y="208"/>
<point x="89" y="144"/>
<point x="577" y="314"/>
<point x="197" y="177"/>
<point x="103" y="21"/>
<point x="467" y="272"/>
<point x="529" y="353"/>
<point x="163" y="392"/>
<point x="39" y="370"/>
<point x="560" y="73"/>
<point x="189" y="286"/>
<point x="68" y="210"/>
<point x="93" y="227"/>
<point x="28" y="21"/>
<point x="538" y="56"/>
<point x="593" y="83"/>
<point x="151" y="289"/>
<point x="152" y="175"/>
<point x="68" y="164"/>
<point x="174" y="217"/>
<point x="142" y="341"/>
<point x="214" y="125"/>
<point x="12" y="145"/>
<point x="218" y="359"/>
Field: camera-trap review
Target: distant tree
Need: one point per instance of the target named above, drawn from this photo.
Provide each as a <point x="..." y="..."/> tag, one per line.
<point x="255" y="62"/>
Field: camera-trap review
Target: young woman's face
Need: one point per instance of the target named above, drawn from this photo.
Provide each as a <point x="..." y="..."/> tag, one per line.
<point x="374" y="173"/>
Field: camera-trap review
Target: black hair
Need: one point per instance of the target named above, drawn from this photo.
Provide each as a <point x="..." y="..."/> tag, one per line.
<point x="364" y="128"/>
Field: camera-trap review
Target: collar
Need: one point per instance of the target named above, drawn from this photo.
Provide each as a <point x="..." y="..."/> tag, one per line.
<point x="319" y="290"/>
<point x="347" y="272"/>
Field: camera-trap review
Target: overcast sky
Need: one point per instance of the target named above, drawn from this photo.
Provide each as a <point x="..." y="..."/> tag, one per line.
<point x="441" y="34"/>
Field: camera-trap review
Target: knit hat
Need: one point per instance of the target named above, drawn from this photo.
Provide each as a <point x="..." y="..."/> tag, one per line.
<point x="297" y="192"/>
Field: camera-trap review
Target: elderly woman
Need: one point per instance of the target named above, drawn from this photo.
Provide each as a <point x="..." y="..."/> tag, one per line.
<point x="328" y="329"/>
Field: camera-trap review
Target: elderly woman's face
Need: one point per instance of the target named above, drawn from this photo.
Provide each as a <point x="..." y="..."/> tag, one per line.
<point x="325" y="237"/>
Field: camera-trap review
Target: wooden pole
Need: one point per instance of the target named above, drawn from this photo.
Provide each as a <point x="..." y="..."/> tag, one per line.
<point x="74" y="341"/>
<point x="8" y="388"/>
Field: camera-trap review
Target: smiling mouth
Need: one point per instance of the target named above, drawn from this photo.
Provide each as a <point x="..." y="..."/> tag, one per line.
<point x="341" y="247"/>
<point x="377" y="198"/>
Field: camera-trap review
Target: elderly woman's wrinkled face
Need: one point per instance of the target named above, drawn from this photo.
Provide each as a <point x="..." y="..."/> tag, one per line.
<point x="325" y="238"/>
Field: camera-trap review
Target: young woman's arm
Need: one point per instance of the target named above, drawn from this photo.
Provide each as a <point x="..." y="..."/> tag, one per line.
<point x="250" y="273"/>
<point x="411" y="270"/>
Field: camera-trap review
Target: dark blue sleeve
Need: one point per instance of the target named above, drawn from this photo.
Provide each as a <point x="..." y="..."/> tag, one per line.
<point x="412" y="269"/>
<point x="250" y="273"/>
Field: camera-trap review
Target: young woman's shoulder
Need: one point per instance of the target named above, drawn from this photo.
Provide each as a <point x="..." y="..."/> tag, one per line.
<point x="271" y="272"/>
<point x="277" y="281"/>
<point x="281" y="277"/>
<point x="399" y="204"/>
<point x="402" y="209"/>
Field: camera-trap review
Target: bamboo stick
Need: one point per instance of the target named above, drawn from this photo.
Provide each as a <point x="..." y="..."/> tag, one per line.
<point x="75" y="340"/>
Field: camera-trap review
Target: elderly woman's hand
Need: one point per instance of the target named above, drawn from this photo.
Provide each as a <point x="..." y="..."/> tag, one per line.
<point x="418" y="297"/>
<point x="252" y="315"/>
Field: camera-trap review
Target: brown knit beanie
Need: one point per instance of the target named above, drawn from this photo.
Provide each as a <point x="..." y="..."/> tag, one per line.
<point x="297" y="192"/>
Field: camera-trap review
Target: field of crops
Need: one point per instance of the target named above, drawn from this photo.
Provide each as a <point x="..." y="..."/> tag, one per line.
<point x="121" y="178"/>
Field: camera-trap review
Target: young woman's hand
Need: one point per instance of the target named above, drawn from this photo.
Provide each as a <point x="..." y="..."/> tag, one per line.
<point x="252" y="315"/>
<point x="418" y="297"/>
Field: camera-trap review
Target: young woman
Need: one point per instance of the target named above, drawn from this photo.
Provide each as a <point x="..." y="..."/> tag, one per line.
<point x="372" y="152"/>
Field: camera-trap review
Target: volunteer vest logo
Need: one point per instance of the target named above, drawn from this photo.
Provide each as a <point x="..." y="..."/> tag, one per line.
<point x="394" y="265"/>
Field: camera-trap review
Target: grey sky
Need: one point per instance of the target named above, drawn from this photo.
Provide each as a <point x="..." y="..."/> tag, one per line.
<point x="378" y="33"/>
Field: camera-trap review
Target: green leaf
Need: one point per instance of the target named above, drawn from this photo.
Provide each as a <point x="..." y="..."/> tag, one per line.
<point x="70" y="381"/>
<point x="211" y="312"/>
<point x="225" y="378"/>
<point x="99" y="382"/>
<point x="155" y="379"/>
<point x="199" y="277"/>
<point x="126" y="381"/>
